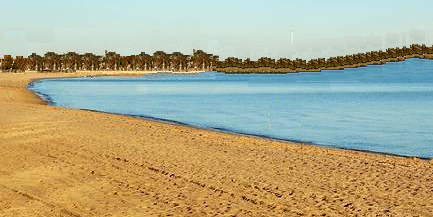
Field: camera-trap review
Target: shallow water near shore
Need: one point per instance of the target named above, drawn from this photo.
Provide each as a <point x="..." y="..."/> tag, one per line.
<point x="387" y="108"/>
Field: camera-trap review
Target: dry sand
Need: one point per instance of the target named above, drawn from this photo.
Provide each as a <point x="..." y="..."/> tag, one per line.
<point x="64" y="162"/>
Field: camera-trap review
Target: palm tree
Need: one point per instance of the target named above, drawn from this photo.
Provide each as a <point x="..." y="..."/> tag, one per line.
<point x="98" y="63"/>
<point x="123" y="63"/>
<point x="198" y="59"/>
<point x="127" y="62"/>
<point x="79" y="61"/>
<point x="34" y="62"/>
<point x="49" y="61"/>
<point x="19" y="64"/>
<point x="208" y="62"/>
<point x="131" y="62"/>
<point x="143" y="62"/>
<point x="88" y="61"/>
<point x="159" y="59"/>
<point x="112" y="61"/>
<point x="184" y="63"/>
<point x="7" y="63"/>
<point x="176" y="61"/>
<point x="69" y="61"/>
<point x="57" y="62"/>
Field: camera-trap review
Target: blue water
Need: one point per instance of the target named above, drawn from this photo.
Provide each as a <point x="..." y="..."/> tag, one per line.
<point x="385" y="108"/>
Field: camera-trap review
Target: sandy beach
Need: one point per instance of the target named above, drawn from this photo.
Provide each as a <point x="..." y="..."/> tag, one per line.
<point x="66" y="162"/>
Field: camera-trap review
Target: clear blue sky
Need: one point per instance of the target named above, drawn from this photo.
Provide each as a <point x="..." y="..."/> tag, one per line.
<point x="239" y="28"/>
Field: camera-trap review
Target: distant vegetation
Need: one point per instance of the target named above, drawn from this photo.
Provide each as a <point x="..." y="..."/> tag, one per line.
<point x="111" y="61"/>
<point x="201" y="61"/>
<point x="283" y="65"/>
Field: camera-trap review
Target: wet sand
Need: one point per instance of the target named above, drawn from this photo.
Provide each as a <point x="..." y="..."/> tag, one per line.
<point x="66" y="162"/>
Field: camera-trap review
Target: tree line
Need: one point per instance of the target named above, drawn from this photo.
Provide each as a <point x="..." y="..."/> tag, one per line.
<point x="111" y="61"/>
<point x="283" y="65"/>
<point x="201" y="61"/>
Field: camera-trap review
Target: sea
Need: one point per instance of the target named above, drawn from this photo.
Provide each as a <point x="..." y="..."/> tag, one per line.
<point x="379" y="108"/>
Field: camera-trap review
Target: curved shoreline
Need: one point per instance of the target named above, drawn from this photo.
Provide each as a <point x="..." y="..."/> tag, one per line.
<point x="239" y="133"/>
<point x="48" y="100"/>
<point x="71" y="162"/>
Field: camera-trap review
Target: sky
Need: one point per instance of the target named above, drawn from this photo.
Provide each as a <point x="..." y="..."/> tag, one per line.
<point x="252" y="29"/>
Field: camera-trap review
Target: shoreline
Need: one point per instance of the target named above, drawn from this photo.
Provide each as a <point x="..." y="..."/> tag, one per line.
<point x="47" y="99"/>
<point x="71" y="162"/>
<point x="238" y="133"/>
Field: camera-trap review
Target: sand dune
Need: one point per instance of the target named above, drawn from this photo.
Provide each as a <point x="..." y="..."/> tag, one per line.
<point x="64" y="162"/>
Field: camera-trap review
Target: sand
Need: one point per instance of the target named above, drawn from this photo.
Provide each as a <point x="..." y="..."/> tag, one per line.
<point x="65" y="162"/>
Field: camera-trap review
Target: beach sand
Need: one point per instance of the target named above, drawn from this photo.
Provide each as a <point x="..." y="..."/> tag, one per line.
<point x="66" y="162"/>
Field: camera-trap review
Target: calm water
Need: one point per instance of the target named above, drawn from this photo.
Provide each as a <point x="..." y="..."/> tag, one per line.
<point x="377" y="108"/>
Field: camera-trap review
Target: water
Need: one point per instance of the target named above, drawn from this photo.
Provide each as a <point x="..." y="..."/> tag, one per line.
<point x="376" y="108"/>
